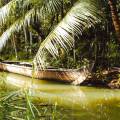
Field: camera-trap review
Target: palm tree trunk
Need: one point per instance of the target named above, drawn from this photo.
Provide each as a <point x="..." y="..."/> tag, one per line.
<point x="115" y="17"/>
<point x="62" y="10"/>
<point x="15" y="47"/>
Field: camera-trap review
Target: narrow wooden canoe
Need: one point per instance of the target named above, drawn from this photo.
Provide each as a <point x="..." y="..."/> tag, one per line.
<point x="75" y="76"/>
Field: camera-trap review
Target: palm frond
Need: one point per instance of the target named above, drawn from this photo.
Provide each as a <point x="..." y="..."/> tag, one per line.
<point x="48" y="6"/>
<point x="15" y="27"/>
<point x="7" y="10"/>
<point x="83" y="15"/>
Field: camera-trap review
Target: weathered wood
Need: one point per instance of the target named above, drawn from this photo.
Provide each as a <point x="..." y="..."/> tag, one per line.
<point x="75" y="76"/>
<point x="115" y="17"/>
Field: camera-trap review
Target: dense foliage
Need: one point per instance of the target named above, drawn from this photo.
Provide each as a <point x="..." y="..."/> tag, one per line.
<point x="74" y="33"/>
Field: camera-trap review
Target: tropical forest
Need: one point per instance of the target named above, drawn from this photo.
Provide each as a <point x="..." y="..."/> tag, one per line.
<point x="59" y="59"/>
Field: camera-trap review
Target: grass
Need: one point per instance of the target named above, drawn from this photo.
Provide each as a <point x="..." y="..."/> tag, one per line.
<point x="18" y="104"/>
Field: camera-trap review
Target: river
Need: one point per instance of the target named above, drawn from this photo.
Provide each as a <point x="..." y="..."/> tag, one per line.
<point x="70" y="102"/>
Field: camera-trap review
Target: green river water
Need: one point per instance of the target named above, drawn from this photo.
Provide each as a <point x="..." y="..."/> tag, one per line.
<point x="58" y="101"/>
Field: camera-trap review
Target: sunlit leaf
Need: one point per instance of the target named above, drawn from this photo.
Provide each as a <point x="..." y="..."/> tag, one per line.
<point x="83" y="15"/>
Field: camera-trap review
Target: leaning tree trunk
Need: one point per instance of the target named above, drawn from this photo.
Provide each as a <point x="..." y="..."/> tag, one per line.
<point x="115" y="17"/>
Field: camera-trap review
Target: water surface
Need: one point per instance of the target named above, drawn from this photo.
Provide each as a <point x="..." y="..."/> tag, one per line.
<point x="72" y="102"/>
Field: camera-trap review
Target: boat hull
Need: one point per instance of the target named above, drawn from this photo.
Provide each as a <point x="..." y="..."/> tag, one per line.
<point x="63" y="75"/>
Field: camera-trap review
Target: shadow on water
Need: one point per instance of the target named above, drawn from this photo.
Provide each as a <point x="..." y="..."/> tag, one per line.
<point x="68" y="102"/>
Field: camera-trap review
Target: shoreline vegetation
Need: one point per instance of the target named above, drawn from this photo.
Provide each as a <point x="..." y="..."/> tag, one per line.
<point x="105" y="78"/>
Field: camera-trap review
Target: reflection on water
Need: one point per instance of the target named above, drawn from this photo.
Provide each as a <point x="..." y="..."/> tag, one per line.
<point x="73" y="102"/>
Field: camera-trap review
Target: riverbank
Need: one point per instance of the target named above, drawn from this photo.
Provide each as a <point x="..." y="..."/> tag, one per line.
<point x="105" y="78"/>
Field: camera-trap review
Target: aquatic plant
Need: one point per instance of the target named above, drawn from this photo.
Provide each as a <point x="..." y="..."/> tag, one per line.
<point x="18" y="105"/>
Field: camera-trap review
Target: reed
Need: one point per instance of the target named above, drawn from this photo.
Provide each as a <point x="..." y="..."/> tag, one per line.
<point x="19" y="105"/>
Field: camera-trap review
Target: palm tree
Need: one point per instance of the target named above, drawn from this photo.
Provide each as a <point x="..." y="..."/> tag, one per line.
<point x="82" y="15"/>
<point x="115" y="18"/>
<point x="39" y="8"/>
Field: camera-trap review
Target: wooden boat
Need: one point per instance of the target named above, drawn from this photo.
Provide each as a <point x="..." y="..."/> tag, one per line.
<point x="75" y="76"/>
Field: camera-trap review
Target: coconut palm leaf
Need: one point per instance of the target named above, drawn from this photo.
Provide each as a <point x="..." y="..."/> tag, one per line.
<point x="15" y="27"/>
<point x="9" y="9"/>
<point x="83" y="15"/>
<point x="48" y="7"/>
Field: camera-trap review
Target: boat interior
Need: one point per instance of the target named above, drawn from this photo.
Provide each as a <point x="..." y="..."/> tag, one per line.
<point x="27" y="64"/>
